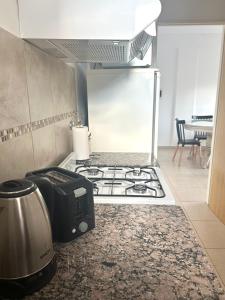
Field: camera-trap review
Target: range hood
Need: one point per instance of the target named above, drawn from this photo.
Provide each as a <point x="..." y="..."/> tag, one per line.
<point x="99" y="31"/>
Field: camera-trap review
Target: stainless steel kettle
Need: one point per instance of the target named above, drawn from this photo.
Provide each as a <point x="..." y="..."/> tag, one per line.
<point x="26" y="240"/>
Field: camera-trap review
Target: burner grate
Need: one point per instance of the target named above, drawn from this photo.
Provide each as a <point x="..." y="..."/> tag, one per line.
<point x="91" y="171"/>
<point x="123" y="181"/>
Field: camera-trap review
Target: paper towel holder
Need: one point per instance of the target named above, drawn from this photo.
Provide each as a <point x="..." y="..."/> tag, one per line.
<point x="72" y="124"/>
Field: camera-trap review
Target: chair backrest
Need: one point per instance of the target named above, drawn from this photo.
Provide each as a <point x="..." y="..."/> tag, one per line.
<point x="202" y="118"/>
<point x="180" y="130"/>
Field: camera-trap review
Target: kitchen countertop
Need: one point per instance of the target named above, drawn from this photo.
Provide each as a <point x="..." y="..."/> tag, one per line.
<point x="135" y="252"/>
<point x="119" y="159"/>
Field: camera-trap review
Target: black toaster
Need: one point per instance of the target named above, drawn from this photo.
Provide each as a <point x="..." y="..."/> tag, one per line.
<point x="69" y="199"/>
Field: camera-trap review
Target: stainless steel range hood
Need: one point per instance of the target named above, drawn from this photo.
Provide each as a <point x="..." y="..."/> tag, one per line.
<point x="104" y="31"/>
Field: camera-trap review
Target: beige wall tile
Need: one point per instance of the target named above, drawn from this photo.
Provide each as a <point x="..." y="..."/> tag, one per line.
<point x="14" y="109"/>
<point x="33" y="86"/>
<point x="16" y="157"/>
<point x="62" y="86"/>
<point x="211" y="233"/>
<point x="38" y="80"/>
<point x="44" y="147"/>
<point x="63" y="136"/>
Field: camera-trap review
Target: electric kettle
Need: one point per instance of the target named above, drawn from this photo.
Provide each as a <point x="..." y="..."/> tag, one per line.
<point x="26" y="251"/>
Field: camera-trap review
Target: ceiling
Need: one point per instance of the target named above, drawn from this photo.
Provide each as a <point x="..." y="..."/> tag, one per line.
<point x="192" y="12"/>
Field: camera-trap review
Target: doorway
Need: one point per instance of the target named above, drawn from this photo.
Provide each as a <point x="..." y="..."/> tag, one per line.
<point x="189" y="59"/>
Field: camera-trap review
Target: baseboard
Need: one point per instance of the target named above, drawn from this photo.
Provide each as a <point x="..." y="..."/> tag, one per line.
<point x="166" y="147"/>
<point x="173" y="147"/>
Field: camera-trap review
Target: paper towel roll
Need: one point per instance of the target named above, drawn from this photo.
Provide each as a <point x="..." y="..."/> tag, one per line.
<point x="80" y="142"/>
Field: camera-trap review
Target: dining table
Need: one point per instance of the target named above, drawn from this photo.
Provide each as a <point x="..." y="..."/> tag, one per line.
<point x="204" y="127"/>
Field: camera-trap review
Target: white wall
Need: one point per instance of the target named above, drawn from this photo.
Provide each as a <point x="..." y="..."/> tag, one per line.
<point x="192" y="12"/>
<point x="189" y="61"/>
<point x="9" y="19"/>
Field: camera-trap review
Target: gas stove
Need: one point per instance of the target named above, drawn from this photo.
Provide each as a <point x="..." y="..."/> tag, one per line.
<point x="123" y="181"/>
<point x="123" y="184"/>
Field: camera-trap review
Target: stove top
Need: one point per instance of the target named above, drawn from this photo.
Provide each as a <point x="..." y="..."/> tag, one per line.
<point x="123" y="181"/>
<point x="123" y="184"/>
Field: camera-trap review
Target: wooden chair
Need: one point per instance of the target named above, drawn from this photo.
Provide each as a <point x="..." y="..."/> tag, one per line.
<point x="182" y="141"/>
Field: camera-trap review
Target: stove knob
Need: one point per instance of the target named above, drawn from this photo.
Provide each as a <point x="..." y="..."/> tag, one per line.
<point x="83" y="226"/>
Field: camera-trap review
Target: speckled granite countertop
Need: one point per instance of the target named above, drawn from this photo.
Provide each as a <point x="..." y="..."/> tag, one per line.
<point x="135" y="252"/>
<point x="119" y="159"/>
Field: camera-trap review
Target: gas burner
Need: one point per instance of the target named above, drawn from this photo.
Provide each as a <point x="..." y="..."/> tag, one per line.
<point x="139" y="188"/>
<point x="137" y="172"/>
<point x="93" y="171"/>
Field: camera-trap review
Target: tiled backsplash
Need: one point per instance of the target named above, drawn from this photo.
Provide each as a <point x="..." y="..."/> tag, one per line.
<point x="37" y="103"/>
<point x="7" y="134"/>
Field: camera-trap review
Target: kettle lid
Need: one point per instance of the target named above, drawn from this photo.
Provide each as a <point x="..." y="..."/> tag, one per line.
<point x="16" y="188"/>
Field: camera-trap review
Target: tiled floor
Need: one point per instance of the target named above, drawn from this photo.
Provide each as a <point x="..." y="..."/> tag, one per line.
<point x="189" y="184"/>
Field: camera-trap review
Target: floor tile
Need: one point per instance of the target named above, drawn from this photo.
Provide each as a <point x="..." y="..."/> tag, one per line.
<point x="189" y="183"/>
<point x="211" y="233"/>
<point x="194" y="230"/>
<point x="217" y="257"/>
<point x="189" y="194"/>
<point x="198" y="211"/>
